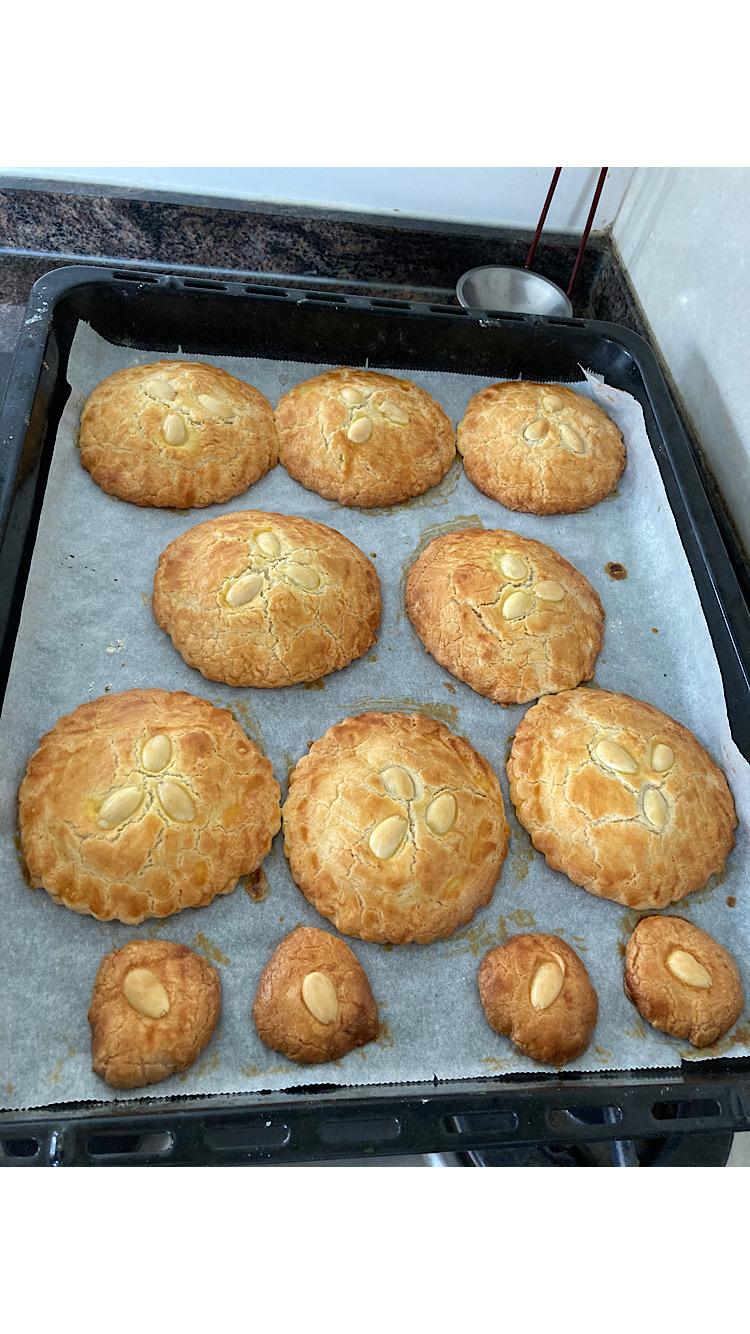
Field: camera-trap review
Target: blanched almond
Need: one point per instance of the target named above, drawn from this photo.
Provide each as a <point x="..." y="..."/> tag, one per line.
<point x="175" y="432"/>
<point x="394" y="412"/>
<point x="360" y="430"/>
<point x="176" y="801"/>
<point x="655" y="807"/>
<point x="517" y="605"/>
<point x="398" y="783"/>
<point x="156" y="753"/>
<point x="119" y="807"/>
<point x="441" y="813"/>
<point x="319" y="995"/>
<point x="143" y="990"/>
<point x="572" y="439"/>
<point x="549" y="590"/>
<point x="547" y="983"/>
<point x="387" y="837"/>
<point x="686" y="968"/>
<point x="536" y="430"/>
<point x="244" y="589"/>
<point x="513" y="567"/>
<point x="268" y="544"/>
<point x="352" y="396"/>
<point x="614" y="756"/>
<point x="301" y="575"/>
<point x="662" y="758"/>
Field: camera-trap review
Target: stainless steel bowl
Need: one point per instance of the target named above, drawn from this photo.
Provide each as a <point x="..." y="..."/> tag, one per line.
<point x="495" y="288"/>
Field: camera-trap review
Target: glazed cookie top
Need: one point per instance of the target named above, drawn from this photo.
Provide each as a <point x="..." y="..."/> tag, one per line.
<point x="154" y="1007"/>
<point x="141" y="804"/>
<point x="363" y="438"/>
<point x="176" y="433"/>
<point x="620" y="797"/>
<point x="681" y="980"/>
<point x="314" y="1001"/>
<point x="257" y="599"/>
<point x="394" y="828"/>
<point x="536" y="991"/>
<point x="540" y="448"/>
<point x="505" y="614"/>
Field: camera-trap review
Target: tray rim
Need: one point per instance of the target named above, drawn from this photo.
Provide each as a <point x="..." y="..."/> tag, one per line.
<point x="62" y="1132"/>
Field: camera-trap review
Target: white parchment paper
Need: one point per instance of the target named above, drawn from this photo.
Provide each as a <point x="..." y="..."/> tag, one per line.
<point x="87" y="628"/>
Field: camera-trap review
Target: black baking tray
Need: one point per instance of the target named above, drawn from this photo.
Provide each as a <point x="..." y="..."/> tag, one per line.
<point x="165" y="313"/>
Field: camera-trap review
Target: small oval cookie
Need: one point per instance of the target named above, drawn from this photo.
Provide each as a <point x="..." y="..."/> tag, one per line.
<point x="314" y="1001"/>
<point x="620" y="797"/>
<point x="540" y="448"/>
<point x="536" y="991"/>
<point x="257" y="599"/>
<point x="141" y="804"/>
<point x="363" y="438"/>
<point x="176" y="433"/>
<point x="505" y="614"/>
<point x="153" y="1009"/>
<point x="682" y="981"/>
<point x="394" y="828"/>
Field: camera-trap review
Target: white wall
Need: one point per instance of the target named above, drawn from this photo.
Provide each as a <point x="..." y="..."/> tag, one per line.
<point x="684" y="237"/>
<point x="509" y="196"/>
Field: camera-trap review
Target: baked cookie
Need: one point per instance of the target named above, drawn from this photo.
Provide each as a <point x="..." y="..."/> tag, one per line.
<point x="257" y="599"/>
<point x="176" y="433"/>
<point x="363" y="438"/>
<point x="394" y="828"/>
<point x="507" y="615"/>
<point x="535" y="990"/>
<point x="141" y="804"/>
<point x="314" y="1001"/>
<point x="540" y="448"/>
<point x="154" y="1007"/>
<point x="682" y="981"/>
<point x="620" y="797"/>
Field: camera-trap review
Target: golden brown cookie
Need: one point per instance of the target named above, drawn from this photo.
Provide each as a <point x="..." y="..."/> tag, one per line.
<point x="536" y="991"/>
<point x="620" y="797"/>
<point x="154" y="1007"/>
<point x="540" y="448"/>
<point x="682" y="981"/>
<point x="256" y="599"/>
<point x="505" y="614"/>
<point x="394" y="828"/>
<point x="141" y="804"/>
<point x="176" y="433"/>
<point x="363" y="438"/>
<point x="314" y="1001"/>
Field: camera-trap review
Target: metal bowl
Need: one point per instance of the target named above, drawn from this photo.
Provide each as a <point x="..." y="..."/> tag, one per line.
<point x="492" y="287"/>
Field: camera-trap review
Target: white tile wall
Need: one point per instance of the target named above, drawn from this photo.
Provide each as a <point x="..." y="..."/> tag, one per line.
<point x="684" y="236"/>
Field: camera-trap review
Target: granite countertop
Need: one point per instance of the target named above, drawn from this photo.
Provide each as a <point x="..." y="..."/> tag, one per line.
<point x="46" y="225"/>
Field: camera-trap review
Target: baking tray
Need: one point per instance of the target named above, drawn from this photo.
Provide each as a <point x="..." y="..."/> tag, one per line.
<point x="165" y="313"/>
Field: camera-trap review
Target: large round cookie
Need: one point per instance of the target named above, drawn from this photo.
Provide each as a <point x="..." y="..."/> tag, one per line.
<point x="141" y="804"/>
<point x="620" y="797"/>
<point x="176" y="433"/>
<point x="505" y="614"/>
<point x="314" y="1001"/>
<point x="363" y="438"/>
<point x="394" y="828"/>
<point x="540" y="448"/>
<point x="154" y="1007"/>
<point x="256" y="599"/>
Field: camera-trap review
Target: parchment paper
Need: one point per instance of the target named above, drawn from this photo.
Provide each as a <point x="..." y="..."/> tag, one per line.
<point x="87" y="628"/>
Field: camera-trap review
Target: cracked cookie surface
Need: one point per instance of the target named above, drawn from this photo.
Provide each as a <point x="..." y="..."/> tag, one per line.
<point x="259" y="599"/>
<point x="505" y="614"/>
<point x="363" y="438"/>
<point x="140" y="804"/>
<point x="394" y="828"/>
<point x="536" y="991"/>
<point x="154" y="1007"/>
<point x="314" y="1001"/>
<point x="542" y="449"/>
<point x="620" y="797"/>
<point x="682" y="981"/>
<point x="176" y="433"/>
